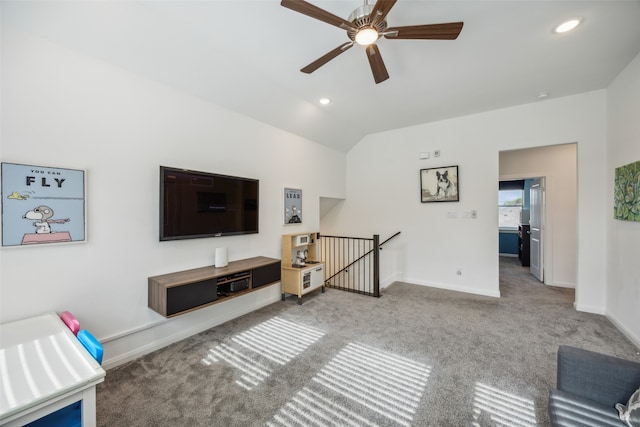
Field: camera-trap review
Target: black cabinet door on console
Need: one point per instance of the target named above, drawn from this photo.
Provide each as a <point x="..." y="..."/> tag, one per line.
<point x="182" y="298"/>
<point x="265" y="275"/>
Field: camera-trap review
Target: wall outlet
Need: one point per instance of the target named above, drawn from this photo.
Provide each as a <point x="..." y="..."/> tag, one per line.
<point x="459" y="272"/>
<point x="474" y="214"/>
<point x="452" y="214"/>
<point x="423" y="155"/>
<point x="436" y="153"/>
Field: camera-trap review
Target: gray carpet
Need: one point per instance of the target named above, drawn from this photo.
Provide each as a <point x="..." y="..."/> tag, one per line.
<point x="417" y="356"/>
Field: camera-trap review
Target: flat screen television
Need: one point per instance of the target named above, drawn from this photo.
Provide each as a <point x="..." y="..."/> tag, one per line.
<point x="201" y="204"/>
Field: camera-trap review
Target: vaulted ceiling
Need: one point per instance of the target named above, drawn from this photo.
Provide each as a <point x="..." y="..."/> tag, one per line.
<point x="246" y="55"/>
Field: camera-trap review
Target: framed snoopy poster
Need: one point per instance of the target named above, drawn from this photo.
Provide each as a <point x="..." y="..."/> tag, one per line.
<point x="42" y="205"/>
<point x="439" y="185"/>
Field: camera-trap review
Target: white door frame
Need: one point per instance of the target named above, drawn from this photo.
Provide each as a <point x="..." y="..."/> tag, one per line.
<point x="537" y="228"/>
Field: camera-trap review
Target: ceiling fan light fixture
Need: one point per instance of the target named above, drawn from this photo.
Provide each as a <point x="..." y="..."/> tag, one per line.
<point x="567" y="25"/>
<point x="366" y="36"/>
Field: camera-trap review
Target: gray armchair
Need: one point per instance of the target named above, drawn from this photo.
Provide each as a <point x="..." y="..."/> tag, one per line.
<point x="589" y="385"/>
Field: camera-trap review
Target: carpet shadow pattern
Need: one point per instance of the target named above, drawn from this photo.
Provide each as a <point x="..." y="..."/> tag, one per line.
<point x="274" y="342"/>
<point x="417" y="356"/>
<point x="385" y="387"/>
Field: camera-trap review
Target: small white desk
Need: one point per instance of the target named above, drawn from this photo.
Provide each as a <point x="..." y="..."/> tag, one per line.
<point x="43" y="368"/>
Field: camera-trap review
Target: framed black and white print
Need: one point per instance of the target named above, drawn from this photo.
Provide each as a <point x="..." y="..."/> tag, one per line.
<point x="439" y="184"/>
<point x="292" y="206"/>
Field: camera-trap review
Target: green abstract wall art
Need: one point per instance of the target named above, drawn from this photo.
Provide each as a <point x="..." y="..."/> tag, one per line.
<point x="626" y="203"/>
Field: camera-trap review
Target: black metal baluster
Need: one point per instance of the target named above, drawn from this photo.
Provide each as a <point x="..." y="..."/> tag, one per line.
<point x="376" y="265"/>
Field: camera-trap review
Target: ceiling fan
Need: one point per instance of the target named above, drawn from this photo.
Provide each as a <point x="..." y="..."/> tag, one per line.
<point x="365" y="26"/>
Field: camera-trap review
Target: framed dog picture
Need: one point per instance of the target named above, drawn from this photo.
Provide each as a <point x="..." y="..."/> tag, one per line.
<point x="439" y="185"/>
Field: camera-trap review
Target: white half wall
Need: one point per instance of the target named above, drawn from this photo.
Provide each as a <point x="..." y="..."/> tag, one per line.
<point x="64" y="109"/>
<point x="623" y="274"/>
<point x="383" y="193"/>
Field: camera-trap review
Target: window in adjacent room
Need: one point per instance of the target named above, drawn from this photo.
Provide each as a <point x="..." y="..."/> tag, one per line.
<point x="510" y="201"/>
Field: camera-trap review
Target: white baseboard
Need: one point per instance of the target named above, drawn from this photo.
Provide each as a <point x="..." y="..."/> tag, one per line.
<point x="626" y="332"/>
<point x="129" y="346"/>
<point x="563" y="285"/>
<point x="589" y="309"/>
<point x="509" y="255"/>
<point x="390" y="280"/>
<point x="447" y="286"/>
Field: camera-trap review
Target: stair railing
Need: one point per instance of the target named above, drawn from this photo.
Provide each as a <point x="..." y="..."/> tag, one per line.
<point x="352" y="263"/>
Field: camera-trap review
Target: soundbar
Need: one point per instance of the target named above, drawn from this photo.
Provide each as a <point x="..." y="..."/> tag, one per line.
<point x="233" y="276"/>
<point x="238" y="285"/>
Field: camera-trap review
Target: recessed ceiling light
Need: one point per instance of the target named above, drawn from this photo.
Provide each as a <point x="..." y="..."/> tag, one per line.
<point x="568" y="25"/>
<point x="325" y="101"/>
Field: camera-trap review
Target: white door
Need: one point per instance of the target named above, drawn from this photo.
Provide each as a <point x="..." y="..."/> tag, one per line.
<point x="536" y="222"/>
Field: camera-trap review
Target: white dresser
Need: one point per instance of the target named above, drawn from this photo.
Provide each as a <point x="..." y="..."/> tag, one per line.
<point x="43" y="368"/>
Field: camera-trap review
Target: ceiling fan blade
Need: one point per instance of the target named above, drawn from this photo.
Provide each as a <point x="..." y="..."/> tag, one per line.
<point x="312" y="11"/>
<point x="449" y="31"/>
<point x="380" y="10"/>
<point x="377" y="64"/>
<point x="326" y="58"/>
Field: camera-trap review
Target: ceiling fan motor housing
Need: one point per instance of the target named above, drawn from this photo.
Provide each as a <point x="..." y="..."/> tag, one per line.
<point x="361" y="18"/>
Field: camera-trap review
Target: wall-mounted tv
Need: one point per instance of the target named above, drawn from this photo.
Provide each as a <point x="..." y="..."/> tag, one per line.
<point x="201" y="204"/>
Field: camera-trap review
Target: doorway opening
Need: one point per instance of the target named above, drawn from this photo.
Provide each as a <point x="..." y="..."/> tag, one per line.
<point x="547" y="213"/>
<point x="520" y="221"/>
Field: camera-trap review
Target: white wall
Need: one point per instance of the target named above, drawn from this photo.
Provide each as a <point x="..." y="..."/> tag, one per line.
<point x="623" y="245"/>
<point x="557" y="164"/>
<point x="383" y="194"/>
<point x="60" y="108"/>
<point x="63" y="109"/>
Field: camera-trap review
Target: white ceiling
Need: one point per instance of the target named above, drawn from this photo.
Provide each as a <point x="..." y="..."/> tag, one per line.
<point x="246" y="56"/>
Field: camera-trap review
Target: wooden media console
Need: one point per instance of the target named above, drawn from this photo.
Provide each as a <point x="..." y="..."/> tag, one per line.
<point x="183" y="291"/>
